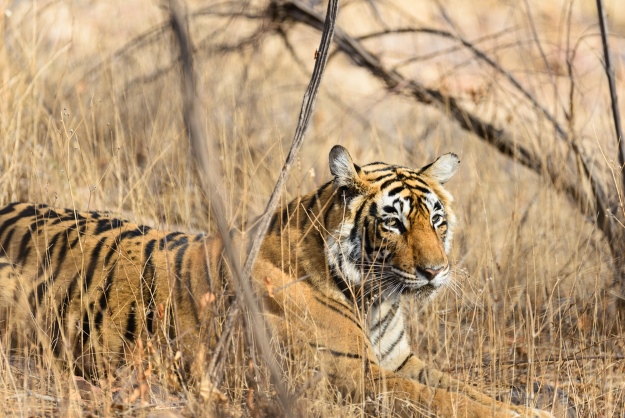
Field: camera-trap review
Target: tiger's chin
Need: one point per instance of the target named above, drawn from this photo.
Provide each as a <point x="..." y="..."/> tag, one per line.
<point x="425" y="291"/>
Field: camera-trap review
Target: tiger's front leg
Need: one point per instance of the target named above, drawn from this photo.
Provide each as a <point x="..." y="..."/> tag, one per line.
<point x="417" y="370"/>
<point x="342" y="350"/>
<point x="408" y="397"/>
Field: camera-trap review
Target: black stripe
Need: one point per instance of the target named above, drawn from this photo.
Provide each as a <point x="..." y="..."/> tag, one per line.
<point x="177" y="243"/>
<point x="112" y="250"/>
<point x="131" y="322"/>
<point x="337" y="310"/>
<point x="55" y="337"/>
<point x="24" y="248"/>
<point x="315" y="197"/>
<point x="379" y="178"/>
<point x="104" y="298"/>
<point x="41" y="289"/>
<point x="61" y="255"/>
<point x="80" y="227"/>
<point x="65" y="307"/>
<point x="422" y="189"/>
<point x="192" y="302"/>
<point x="403" y="363"/>
<point x="354" y="231"/>
<point x="337" y="204"/>
<point x="378" y="231"/>
<point x="171" y="326"/>
<point x="104" y="225"/>
<point x="207" y="274"/>
<point x="8" y="208"/>
<point x="382" y="331"/>
<point x="149" y="279"/>
<point x="334" y="352"/>
<point x="395" y="190"/>
<point x="34" y="227"/>
<point x="28" y="212"/>
<point x="385" y="318"/>
<point x="178" y="261"/>
<point x="392" y="347"/>
<point x="387" y="183"/>
<point x="311" y="203"/>
<point x="95" y="257"/>
<point x="7" y="240"/>
<point x="341" y="354"/>
<point x="420" y="376"/>
<point x="86" y="326"/>
<point x="340" y="281"/>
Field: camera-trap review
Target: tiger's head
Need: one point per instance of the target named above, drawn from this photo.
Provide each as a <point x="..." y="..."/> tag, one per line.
<point x="396" y="227"/>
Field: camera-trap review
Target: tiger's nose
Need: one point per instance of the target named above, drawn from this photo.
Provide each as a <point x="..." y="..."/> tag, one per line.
<point x="430" y="273"/>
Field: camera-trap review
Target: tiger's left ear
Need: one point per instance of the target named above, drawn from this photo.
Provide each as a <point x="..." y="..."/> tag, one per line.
<point x="443" y="168"/>
<point x="343" y="169"/>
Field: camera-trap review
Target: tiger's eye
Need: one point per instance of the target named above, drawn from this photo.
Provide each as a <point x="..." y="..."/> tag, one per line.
<point x="393" y="222"/>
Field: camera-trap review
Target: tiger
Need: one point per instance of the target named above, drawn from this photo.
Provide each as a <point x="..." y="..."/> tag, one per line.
<point x="330" y="277"/>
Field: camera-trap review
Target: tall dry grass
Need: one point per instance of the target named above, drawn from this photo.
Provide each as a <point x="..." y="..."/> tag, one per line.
<point x="89" y="121"/>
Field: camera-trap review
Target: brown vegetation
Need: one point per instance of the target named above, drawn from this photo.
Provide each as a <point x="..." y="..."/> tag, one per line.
<point x="91" y="117"/>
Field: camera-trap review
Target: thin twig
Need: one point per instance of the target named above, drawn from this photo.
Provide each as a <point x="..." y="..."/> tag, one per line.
<point x="308" y="105"/>
<point x="609" y="70"/>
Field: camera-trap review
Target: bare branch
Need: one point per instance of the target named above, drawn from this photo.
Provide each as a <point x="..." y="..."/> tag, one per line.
<point x="308" y="105"/>
<point x="210" y="177"/>
<point x="609" y="70"/>
<point x="206" y="165"/>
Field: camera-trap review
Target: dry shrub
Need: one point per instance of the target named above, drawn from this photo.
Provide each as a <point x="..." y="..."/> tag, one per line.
<point x="91" y="121"/>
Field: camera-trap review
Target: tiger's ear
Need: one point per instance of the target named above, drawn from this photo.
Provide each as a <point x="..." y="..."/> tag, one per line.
<point x="343" y="169"/>
<point x="443" y="168"/>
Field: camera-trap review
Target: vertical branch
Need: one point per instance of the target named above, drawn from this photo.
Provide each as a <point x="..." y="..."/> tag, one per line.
<point x="308" y="105"/>
<point x="207" y="168"/>
<point x="609" y="70"/>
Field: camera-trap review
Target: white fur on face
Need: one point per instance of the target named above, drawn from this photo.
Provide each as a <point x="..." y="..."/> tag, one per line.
<point x="339" y="248"/>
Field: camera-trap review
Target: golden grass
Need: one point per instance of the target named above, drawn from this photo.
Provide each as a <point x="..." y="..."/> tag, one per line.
<point x="532" y="277"/>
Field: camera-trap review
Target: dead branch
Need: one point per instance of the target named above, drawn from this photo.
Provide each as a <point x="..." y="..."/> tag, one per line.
<point x="207" y="165"/>
<point x="308" y="105"/>
<point x="609" y="71"/>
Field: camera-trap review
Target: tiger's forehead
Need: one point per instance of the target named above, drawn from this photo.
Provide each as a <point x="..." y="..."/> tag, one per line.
<point x="379" y="172"/>
<point x="395" y="179"/>
<point x="401" y="188"/>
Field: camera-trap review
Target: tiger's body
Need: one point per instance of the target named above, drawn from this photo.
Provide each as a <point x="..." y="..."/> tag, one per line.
<point x="329" y="274"/>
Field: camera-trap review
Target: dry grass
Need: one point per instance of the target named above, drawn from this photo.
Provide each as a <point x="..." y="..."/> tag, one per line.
<point x="532" y="278"/>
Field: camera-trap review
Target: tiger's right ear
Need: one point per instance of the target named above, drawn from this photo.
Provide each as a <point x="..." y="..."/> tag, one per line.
<point x="443" y="168"/>
<point x="343" y="169"/>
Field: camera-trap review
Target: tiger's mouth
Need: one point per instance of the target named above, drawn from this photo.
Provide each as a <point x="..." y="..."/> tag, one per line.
<point x="388" y="281"/>
<point x="416" y="282"/>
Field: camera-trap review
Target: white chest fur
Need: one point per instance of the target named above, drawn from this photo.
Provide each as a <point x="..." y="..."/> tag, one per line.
<point x="387" y="333"/>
